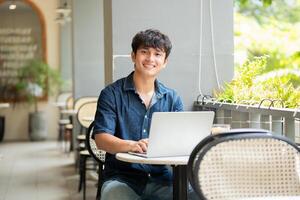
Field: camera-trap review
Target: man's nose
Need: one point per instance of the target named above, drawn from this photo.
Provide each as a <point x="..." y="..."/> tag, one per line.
<point x="150" y="56"/>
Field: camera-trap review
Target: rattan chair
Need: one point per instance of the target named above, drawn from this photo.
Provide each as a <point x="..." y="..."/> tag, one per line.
<point x="85" y="112"/>
<point x="69" y="128"/>
<point x="245" y="164"/>
<point x="64" y="121"/>
<point x="98" y="155"/>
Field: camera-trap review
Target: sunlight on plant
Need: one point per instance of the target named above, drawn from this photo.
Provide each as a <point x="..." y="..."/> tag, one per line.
<point x="267" y="52"/>
<point x="249" y="85"/>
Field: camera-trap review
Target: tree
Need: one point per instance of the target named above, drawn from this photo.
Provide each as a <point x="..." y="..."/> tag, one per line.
<point x="264" y="10"/>
<point x="263" y="2"/>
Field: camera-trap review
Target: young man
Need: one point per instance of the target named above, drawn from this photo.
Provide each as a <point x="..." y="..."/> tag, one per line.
<point x="123" y="118"/>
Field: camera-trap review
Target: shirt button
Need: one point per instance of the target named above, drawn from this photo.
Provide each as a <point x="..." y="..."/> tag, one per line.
<point x="146" y="117"/>
<point x="144" y="130"/>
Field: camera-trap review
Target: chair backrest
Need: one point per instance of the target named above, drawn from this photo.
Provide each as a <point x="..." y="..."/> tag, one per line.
<point x="70" y="103"/>
<point x="82" y="100"/>
<point x="245" y="164"/>
<point x="86" y="113"/>
<point x="97" y="154"/>
<point x="62" y="97"/>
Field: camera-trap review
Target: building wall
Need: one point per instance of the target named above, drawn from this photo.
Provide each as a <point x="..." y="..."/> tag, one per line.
<point x="88" y="48"/>
<point x="181" y="20"/>
<point x="16" y="125"/>
<point x="66" y="56"/>
<point x="186" y="22"/>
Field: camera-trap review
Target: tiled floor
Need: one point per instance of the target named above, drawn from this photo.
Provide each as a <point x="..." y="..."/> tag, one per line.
<point x="39" y="171"/>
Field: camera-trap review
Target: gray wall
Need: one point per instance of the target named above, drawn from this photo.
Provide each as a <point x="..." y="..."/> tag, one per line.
<point x="66" y="56"/>
<point x="181" y="21"/>
<point x="88" y="48"/>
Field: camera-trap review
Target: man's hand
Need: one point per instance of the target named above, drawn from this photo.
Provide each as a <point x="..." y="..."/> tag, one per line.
<point x="140" y="146"/>
<point x="113" y="145"/>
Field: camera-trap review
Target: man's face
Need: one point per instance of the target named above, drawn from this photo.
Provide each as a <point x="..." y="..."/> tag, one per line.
<point x="149" y="61"/>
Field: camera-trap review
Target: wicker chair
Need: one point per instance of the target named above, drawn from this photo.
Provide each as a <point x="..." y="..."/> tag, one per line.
<point x="69" y="127"/>
<point x="64" y="121"/>
<point x="245" y="164"/>
<point x="86" y="110"/>
<point x="98" y="155"/>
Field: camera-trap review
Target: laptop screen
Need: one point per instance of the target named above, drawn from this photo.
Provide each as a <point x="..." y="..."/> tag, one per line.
<point x="177" y="133"/>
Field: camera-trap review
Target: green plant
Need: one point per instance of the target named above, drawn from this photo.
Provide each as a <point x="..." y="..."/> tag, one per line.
<point x="276" y="27"/>
<point x="250" y="85"/>
<point x="245" y="2"/>
<point x="278" y="87"/>
<point x="240" y="88"/>
<point x="36" y="80"/>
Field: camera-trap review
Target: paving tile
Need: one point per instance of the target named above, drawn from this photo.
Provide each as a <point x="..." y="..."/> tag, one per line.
<point x="39" y="171"/>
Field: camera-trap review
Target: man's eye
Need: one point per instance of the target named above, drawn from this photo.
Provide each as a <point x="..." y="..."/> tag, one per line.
<point x="158" y="54"/>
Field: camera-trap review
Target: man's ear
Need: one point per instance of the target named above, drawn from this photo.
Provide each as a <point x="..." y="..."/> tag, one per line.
<point x="165" y="63"/>
<point x="133" y="56"/>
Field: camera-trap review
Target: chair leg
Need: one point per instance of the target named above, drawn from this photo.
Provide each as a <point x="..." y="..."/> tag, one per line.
<point x="99" y="186"/>
<point x="60" y="133"/>
<point x="100" y="181"/>
<point x="84" y="177"/>
<point x="68" y="140"/>
<point x="80" y="172"/>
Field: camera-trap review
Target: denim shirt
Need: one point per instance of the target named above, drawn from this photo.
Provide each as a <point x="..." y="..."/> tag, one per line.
<point x="122" y="113"/>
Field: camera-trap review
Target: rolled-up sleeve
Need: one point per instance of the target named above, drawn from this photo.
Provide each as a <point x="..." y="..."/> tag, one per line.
<point x="178" y="105"/>
<point x="105" y="117"/>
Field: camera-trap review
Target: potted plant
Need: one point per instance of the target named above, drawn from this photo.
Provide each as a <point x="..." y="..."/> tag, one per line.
<point x="36" y="81"/>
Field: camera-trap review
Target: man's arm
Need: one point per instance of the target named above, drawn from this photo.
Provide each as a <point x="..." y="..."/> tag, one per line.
<point x="113" y="144"/>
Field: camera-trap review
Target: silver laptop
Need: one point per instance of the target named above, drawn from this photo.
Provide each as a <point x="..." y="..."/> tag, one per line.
<point x="177" y="133"/>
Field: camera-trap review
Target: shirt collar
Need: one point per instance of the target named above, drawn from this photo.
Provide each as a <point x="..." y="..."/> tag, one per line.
<point x="160" y="90"/>
<point x="128" y="83"/>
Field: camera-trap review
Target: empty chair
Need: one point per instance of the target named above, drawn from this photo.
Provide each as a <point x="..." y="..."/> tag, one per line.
<point x="86" y="108"/>
<point x="245" y="164"/>
<point x="85" y="115"/>
<point x="72" y="112"/>
<point x="61" y="100"/>
<point x="98" y="155"/>
<point x="78" y="103"/>
<point x="64" y="119"/>
<point x="62" y="103"/>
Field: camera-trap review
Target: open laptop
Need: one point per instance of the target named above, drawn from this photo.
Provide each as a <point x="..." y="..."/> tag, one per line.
<point x="177" y="133"/>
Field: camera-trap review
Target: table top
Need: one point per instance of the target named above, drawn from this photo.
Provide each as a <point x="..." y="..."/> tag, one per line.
<point x="59" y="104"/>
<point x="69" y="112"/>
<point x="4" y="105"/>
<point x="178" y="160"/>
<point x="273" y="198"/>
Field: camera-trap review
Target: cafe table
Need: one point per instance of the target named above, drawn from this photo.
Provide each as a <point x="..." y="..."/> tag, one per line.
<point x="274" y="198"/>
<point x="4" y="105"/>
<point x="59" y="104"/>
<point x="69" y="112"/>
<point x="179" y="166"/>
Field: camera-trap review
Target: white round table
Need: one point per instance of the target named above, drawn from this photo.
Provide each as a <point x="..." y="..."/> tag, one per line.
<point x="179" y="165"/>
<point x="4" y="105"/>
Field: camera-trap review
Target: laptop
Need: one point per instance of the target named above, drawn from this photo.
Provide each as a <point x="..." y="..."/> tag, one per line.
<point x="177" y="133"/>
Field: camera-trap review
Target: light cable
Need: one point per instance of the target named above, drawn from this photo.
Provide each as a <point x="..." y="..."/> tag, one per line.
<point x="213" y="42"/>
<point x="200" y="49"/>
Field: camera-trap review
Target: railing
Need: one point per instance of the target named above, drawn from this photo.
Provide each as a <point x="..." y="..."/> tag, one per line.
<point x="281" y="121"/>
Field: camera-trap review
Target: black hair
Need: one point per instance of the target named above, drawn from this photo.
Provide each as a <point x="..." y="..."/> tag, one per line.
<point x="151" y="38"/>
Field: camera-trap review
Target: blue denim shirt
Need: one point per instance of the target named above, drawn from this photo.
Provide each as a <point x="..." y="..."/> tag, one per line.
<point x="122" y="113"/>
